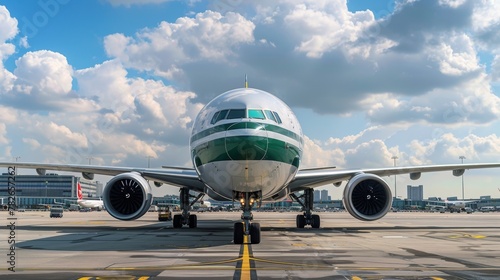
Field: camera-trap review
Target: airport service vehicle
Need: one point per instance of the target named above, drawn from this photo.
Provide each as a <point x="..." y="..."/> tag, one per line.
<point x="164" y="213"/>
<point x="487" y="209"/>
<point x="56" y="212"/>
<point x="246" y="145"/>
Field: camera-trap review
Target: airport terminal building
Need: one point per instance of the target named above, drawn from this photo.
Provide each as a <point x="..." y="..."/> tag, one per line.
<point x="35" y="191"/>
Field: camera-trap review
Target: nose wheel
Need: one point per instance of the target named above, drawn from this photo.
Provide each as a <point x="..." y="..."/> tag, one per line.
<point x="239" y="233"/>
<point x="246" y="227"/>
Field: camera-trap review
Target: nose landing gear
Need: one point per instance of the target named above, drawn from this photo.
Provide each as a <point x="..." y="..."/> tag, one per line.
<point x="246" y="227"/>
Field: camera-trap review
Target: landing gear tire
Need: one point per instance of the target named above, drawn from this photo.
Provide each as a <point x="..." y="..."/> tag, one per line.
<point x="193" y="221"/>
<point x="255" y="233"/>
<point x="301" y="221"/>
<point x="177" y="223"/>
<point x="238" y="233"/>
<point x="315" y="221"/>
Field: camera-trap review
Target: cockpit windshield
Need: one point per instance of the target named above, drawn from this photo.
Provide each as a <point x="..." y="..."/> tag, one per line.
<point x="236" y="114"/>
<point x="243" y="113"/>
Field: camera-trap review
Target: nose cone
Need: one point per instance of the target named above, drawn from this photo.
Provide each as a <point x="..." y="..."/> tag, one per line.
<point x="251" y="146"/>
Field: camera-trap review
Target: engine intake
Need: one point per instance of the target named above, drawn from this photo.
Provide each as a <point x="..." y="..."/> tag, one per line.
<point x="367" y="197"/>
<point x="127" y="196"/>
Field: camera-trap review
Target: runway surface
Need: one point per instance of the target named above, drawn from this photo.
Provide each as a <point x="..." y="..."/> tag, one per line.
<point x="401" y="245"/>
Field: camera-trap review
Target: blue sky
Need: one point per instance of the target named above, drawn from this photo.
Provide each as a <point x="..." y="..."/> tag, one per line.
<point x="119" y="80"/>
<point x="58" y="25"/>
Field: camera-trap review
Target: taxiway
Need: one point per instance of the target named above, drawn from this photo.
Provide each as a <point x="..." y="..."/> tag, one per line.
<point x="403" y="245"/>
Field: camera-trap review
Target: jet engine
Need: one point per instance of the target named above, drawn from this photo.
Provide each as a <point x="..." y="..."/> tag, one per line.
<point x="367" y="197"/>
<point x="127" y="196"/>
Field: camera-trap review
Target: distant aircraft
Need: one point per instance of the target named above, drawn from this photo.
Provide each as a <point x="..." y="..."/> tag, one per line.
<point x="454" y="205"/>
<point x="246" y="145"/>
<point x="88" y="203"/>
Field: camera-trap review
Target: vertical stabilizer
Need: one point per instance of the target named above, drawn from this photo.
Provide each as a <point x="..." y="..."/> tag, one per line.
<point x="79" y="193"/>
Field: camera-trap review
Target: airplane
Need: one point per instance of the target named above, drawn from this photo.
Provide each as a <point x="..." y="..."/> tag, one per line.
<point x="246" y="145"/>
<point x="88" y="203"/>
<point x="454" y="205"/>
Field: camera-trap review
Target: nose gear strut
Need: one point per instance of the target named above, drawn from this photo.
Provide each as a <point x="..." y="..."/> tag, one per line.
<point x="246" y="227"/>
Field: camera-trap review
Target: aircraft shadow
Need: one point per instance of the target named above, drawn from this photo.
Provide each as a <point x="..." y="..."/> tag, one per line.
<point x="161" y="236"/>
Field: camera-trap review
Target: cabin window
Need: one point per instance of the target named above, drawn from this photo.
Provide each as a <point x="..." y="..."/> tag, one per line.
<point x="236" y="114"/>
<point x="256" y="114"/>
<point x="270" y="115"/>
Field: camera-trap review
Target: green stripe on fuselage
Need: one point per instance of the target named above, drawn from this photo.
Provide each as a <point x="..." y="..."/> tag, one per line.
<point x="246" y="125"/>
<point x="246" y="148"/>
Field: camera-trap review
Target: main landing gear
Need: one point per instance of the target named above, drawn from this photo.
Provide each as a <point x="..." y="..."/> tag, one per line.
<point x="186" y="218"/>
<point x="245" y="227"/>
<point x="307" y="203"/>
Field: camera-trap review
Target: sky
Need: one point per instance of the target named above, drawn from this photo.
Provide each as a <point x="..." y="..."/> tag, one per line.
<point x="119" y="83"/>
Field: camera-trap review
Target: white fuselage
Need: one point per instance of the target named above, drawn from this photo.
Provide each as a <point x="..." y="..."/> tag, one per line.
<point x="87" y="203"/>
<point x="90" y="203"/>
<point x="246" y="140"/>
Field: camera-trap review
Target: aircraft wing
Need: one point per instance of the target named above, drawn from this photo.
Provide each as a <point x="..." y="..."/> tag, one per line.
<point x="180" y="177"/>
<point x="311" y="178"/>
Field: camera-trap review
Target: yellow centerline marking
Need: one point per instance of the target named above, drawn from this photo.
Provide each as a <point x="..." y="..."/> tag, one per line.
<point x="467" y="235"/>
<point x="245" y="266"/>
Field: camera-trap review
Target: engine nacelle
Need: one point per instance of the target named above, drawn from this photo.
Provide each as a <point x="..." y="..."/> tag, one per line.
<point x="127" y="196"/>
<point x="367" y="197"/>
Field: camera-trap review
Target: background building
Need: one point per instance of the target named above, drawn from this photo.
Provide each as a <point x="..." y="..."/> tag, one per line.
<point x="91" y="188"/>
<point x="35" y="191"/>
<point x="324" y="195"/>
<point x="317" y="196"/>
<point x="415" y="193"/>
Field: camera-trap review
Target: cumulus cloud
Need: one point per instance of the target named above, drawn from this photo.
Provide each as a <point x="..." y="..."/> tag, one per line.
<point x="209" y="36"/>
<point x="8" y="30"/>
<point x="3" y="132"/>
<point x="42" y="81"/>
<point x="106" y="83"/>
<point x="449" y="146"/>
<point x="45" y="71"/>
<point x="321" y="31"/>
<point x="471" y="103"/>
<point x="8" y="25"/>
<point x="32" y="143"/>
<point x="317" y="156"/>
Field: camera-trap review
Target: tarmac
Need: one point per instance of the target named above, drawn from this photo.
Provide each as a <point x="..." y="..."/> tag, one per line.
<point x="402" y="245"/>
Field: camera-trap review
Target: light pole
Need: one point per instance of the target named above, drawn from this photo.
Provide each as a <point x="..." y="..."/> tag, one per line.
<point x="395" y="188"/>
<point x="90" y="160"/>
<point x="462" y="158"/>
<point x="149" y="160"/>
<point x="16" y="158"/>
